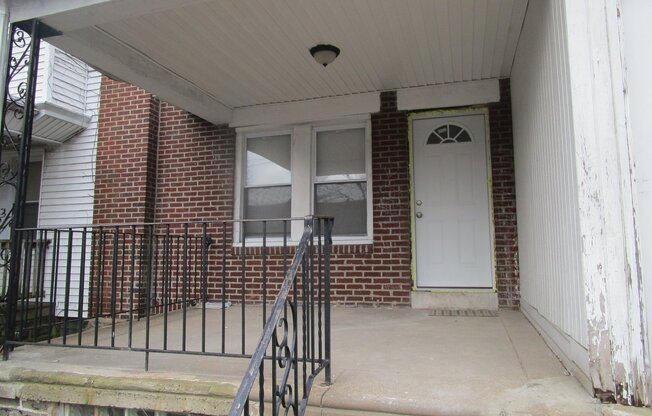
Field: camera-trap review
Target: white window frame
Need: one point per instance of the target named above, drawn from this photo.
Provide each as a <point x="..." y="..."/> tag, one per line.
<point x="344" y="239"/>
<point x="240" y="183"/>
<point x="303" y="171"/>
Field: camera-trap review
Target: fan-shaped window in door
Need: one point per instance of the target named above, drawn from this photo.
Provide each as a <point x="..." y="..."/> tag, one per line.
<point x="449" y="133"/>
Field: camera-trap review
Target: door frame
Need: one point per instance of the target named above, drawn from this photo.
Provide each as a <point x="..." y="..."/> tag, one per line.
<point x="492" y="233"/>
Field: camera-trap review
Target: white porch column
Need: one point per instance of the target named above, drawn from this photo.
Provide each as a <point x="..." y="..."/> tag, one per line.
<point x="637" y="39"/>
<point x="610" y="264"/>
<point x="301" y="176"/>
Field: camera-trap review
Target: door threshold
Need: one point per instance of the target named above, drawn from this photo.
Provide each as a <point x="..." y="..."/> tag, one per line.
<point x="471" y="300"/>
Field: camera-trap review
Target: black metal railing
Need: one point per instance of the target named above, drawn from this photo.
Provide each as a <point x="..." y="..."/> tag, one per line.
<point x="186" y="288"/>
<point x="4" y="268"/>
<point x="294" y="365"/>
<point x="27" y="286"/>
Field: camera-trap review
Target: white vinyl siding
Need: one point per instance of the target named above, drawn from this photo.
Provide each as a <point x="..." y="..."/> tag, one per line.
<point x="67" y="190"/>
<point x="546" y="180"/>
<point x="69" y="171"/>
<point x="62" y="79"/>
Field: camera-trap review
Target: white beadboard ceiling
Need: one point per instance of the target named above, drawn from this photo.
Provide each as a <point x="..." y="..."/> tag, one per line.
<point x="251" y="52"/>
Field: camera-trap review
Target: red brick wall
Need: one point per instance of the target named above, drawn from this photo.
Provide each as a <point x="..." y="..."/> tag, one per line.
<point x="196" y="165"/>
<point x="195" y="183"/>
<point x="125" y="179"/>
<point x="504" y="199"/>
<point x="384" y="273"/>
<point x="192" y="174"/>
<point x="391" y="198"/>
<point x="126" y="154"/>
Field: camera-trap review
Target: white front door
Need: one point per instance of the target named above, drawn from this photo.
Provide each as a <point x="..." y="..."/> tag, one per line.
<point x="451" y="203"/>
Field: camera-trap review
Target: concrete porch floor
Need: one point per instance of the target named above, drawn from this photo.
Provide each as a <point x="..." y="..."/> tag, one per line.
<point x="385" y="361"/>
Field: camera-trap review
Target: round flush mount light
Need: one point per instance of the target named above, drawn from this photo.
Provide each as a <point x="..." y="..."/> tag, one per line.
<point x="324" y="54"/>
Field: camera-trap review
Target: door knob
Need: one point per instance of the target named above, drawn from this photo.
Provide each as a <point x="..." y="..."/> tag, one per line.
<point x="419" y="203"/>
<point x="419" y="215"/>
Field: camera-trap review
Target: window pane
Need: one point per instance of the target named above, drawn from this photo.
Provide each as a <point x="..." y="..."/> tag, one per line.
<point x="272" y="202"/>
<point x="341" y="152"/>
<point x="30" y="219"/>
<point x="347" y="203"/>
<point x="268" y="160"/>
<point x="34" y="181"/>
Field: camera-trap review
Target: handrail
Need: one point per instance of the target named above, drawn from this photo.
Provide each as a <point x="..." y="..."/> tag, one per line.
<point x="285" y="352"/>
<point x="184" y="222"/>
<point x="77" y="276"/>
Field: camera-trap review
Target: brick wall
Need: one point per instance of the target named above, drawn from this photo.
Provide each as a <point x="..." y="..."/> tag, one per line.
<point x="195" y="182"/>
<point x="125" y="178"/>
<point x="190" y="177"/>
<point x="504" y="199"/>
<point x="196" y="165"/>
<point x="126" y="154"/>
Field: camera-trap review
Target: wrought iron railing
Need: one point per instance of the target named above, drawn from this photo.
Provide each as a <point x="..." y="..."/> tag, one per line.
<point x="294" y="365"/>
<point x="5" y="251"/>
<point x="166" y="288"/>
<point x="32" y="254"/>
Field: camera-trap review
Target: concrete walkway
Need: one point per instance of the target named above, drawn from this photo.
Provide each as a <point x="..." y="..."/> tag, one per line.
<point x="385" y="361"/>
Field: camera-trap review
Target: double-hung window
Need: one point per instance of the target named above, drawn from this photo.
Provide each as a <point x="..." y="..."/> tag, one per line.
<point x="340" y="181"/>
<point x="267" y="189"/>
<point x="309" y="170"/>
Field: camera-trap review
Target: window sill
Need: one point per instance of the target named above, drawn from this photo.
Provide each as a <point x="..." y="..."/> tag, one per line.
<point x="278" y="242"/>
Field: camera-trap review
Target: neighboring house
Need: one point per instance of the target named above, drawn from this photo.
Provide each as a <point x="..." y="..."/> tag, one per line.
<point x="61" y="175"/>
<point x="474" y="155"/>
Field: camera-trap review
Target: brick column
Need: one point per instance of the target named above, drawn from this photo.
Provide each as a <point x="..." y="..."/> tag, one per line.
<point x="504" y="199"/>
<point x="125" y="177"/>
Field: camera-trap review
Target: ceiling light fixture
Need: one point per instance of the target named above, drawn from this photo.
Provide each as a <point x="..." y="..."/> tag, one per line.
<point x="324" y="54"/>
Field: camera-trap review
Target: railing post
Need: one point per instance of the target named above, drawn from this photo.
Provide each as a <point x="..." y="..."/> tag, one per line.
<point x="328" y="242"/>
<point x="28" y="94"/>
<point x="150" y="230"/>
<point x="205" y="242"/>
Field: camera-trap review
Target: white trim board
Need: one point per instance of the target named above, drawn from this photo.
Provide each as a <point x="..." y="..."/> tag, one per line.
<point x="69" y="15"/>
<point x="449" y="95"/>
<point x="118" y="60"/>
<point x="330" y="108"/>
<point x="306" y="111"/>
<point x="573" y="356"/>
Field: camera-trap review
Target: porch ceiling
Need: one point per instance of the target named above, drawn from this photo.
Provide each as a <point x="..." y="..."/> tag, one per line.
<point x="222" y="55"/>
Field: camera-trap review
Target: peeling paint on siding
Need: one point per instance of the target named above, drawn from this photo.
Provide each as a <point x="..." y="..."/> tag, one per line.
<point x="614" y="299"/>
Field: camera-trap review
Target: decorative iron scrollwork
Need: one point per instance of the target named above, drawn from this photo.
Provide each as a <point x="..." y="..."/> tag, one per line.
<point x="286" y="355"/>
<point x="15" y="134"/>
<point x="14" y="109"/>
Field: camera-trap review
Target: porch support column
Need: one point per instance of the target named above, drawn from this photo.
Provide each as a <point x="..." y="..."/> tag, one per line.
<point x="126" y="166"/>
<point x="25" y="103"/>
<point x="610" y="253"/>
<point x="5" y="39"/>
